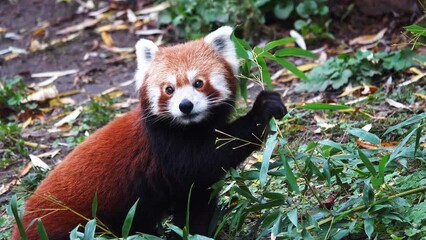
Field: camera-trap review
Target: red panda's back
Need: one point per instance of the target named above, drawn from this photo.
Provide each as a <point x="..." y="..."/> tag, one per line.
<point x="104" y="164"/>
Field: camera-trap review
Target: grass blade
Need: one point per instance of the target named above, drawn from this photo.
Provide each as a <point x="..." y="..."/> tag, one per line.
<point x="364" y="135"/>
<point x="95" y="205"/>
<point x="128" y="221"/>
<point x="89" y="230"/>
<point x="14" y="207"/>
<point x="269" y="148"/>
<point x="41" y="230"/>
<point x="367" y="163"/>
<point x="323" y="106"/>
<point x="296" y="52"/>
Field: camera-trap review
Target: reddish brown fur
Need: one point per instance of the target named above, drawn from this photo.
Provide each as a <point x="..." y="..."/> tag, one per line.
<point x="109" y="150"/>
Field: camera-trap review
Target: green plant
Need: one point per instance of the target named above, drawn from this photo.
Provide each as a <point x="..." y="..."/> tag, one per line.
<point x="196" y="17"/>
<point x="12" y="145"/>
<point x="332" y="190"/>
<point x="254" y="59"/>
<point x="12" y="92"/>
<point x="364" y="66"/>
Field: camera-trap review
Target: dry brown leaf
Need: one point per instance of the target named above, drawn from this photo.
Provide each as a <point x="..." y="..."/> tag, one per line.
<point x="117" y="49"/>
<point x="42" y="94"/>
<point x="422" y="96"/>
<point x="149" y="32"/>
<point x="2" y="29"/>
<point x="112" y="27"/>
<point x="10" y="56"/>
<point x="371" y="146"/>
<point x="106" y="37"/>
<point x="368" y="39"/>
<point x="157" y="8"/>
<point x="72" y="116"/>
<point x="37" y="162"/>
<point x="396" y="104"/>
<point x="41" y="30"/>
<point x="412" y="80"/>
<point x="35" y="145"/>
<point x="80" y="26"/>
<point x="50" y="154"/>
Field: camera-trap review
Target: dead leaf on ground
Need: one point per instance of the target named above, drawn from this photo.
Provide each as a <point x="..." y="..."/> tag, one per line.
<point x="112" y="27"/>
<point x="396" y="104"/>
<point x="50" y="154"/>
<point x="371" y="146"/>
<point x="80" y="26"/>
<point x="106" y="37"/>
<point x="35" y="45"/>
<point x="368" y="39"/>
<point x="41" y="30"/>
<point x="52" y="76"/>
<point x="37" y="162"/>
<point x="149" y="32"/>
<point x="72" y="116"/>
<point x="42" y="94"/>
<point x="158" y="8"/>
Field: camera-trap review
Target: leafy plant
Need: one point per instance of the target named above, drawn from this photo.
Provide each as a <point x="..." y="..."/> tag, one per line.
<point x="255" y="58"/>
<point x="12" y="145"/>
<point x="12" y="92"/>
<point x="196" y="17"/>
<point x="364" y="66"/>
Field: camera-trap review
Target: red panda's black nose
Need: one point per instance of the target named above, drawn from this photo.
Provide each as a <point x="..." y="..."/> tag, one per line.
<point x="186" y="106"/>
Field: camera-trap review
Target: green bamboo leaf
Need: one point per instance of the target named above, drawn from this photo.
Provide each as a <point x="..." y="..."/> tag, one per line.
<point x="279" y="42"/>
<point x="369" y="227"/>
<point x="291" y="179"/>
<point x="271" y="142"/>
<point x="407" y="122"/>
<point x="323" y="106"/>
<point x="41" y="230"/>
<point x="175" y="229"/>
<point x="125" y="229"/>
<point x="367" y="163"/>
<point x="241" y="47"/>
<point x="14" y="207"/>
<point x="364" y="135"/>
<point x="277" y="227"/>
<point x="188" y="206"/>
<point x="244" y="192"/>
<point x="289" y="66"/>
<point x="267" y="205"/>
<point x="89" y="230"/>
<point x="296" y="52"/>
<point x="401" y="146"/>
<point x="266" y="77"/>
<point x="95" y="205"/>
<point x="292" y="216"/>
<point x="417" y="142"/>
<point x="368" y="193"/>
<point x="382" y="166"/>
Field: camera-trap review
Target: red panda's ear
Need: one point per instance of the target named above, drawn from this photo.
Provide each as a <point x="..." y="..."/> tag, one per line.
<point x="145" y="52"/>
<point x="221" y="41"/>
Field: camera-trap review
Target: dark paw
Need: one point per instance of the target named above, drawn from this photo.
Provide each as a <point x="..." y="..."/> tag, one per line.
<point x="268" y="104"/>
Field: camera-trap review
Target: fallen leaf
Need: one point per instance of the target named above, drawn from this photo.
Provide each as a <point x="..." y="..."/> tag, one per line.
<point x="80" y="26"/>
<point x="131" y="16"/>
<point x="112" y="27"/>
<point x="368" y="39"/>
<point x="149" y="32"/>
<point x="42" y="94"/>
<point x="371" y="146"/>
<point x="412" y="80"/>
<point x="35" y="145"/>
<point x="396" y="104"/>
<point x="13" y="36"/>
<point x="299" y="39"/>
<point x="41" y="30"/>
<point x="37" y="162"/>
<point x="72" y="116"/>
<point x="157" y="8"/>
<point x="367" y="127"/>
<point x="50" y="154"/>
<point x="106" y="37"/>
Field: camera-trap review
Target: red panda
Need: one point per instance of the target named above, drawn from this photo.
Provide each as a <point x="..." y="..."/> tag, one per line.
<point x="156" y="152"/>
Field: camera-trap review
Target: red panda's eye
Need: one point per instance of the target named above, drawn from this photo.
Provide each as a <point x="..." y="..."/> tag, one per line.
<point x="198" y="84"/>
<point x="170" y="90"/>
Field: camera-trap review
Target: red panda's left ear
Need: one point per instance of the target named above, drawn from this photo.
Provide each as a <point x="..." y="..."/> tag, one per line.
<point x="221" y="41"/>
<point x="145" y="52"/>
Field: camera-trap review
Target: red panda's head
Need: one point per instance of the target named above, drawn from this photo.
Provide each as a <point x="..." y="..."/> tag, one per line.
<point x="186" y="82"/>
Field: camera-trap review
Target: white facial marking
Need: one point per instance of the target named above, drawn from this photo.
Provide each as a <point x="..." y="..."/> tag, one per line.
<point x="154" y="94"/>
<point x="197" y="98"/>
<point x="191" y="74"/>
<point x="218" y="82"/>
<point x="171" y="79"/>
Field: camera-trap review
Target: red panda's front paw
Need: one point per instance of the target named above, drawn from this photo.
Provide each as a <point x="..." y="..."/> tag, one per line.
<point x="268" y="104"/>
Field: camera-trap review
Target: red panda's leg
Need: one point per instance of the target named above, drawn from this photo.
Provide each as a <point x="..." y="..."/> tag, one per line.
<point x="251" y="127"/>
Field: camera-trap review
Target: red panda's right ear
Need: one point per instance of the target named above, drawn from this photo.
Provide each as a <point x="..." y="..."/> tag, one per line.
<point x="145" y="52"/>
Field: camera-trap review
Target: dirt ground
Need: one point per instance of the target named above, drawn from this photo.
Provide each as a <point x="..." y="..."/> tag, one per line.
<point x="100" y="68"/>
